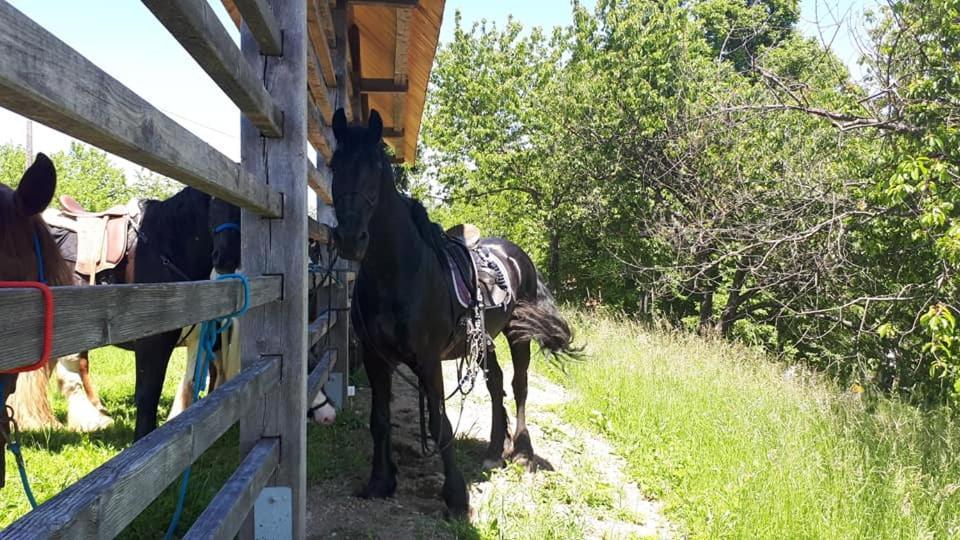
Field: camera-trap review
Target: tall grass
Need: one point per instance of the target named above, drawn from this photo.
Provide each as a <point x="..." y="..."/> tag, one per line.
<point x="738" y="447"/>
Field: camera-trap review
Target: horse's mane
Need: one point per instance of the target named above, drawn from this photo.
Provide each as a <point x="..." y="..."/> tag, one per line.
<point x="177" y="214"/>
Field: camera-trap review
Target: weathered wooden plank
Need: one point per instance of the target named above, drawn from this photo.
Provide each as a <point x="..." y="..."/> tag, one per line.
<point x="356" y="69"/>
<point x="280" y="247"/>
<point x="320" y="326"/>
<point x="44" y="79"/>
<point x="326" y="22"/>
<point x="197" y="28"/>
<point x="319" y="93"/>
<point x="320" y="373"/>
<point x="223" y="516"/>
<point x="319" y="41"/>
<point x="318" y="133"/>
<point x="339" y="340"/>
<point x="321" y="182"/>
<point x="382" y="86"/>
<point x="341" y="61"/>
<point x="317" y="231"/>
<point x="401" y="68"/>
<point x="261" y="22"/>
<point x="102" y="503"/>
<point x="233" y="12"/>
<point x="89" y="317"/>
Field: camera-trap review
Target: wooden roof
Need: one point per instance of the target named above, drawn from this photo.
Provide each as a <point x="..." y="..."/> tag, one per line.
<point x="397" y="43"/>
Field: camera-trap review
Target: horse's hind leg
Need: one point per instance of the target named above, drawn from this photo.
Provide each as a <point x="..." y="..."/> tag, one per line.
<point x="383" y="474"/>
<point x="454" y="486"/>
<point x="493" y="458"/>
<point x="520" y="354"/>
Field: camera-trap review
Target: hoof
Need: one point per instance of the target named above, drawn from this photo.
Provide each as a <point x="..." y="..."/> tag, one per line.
<point x="378" y="489"/>
<point x="82" y="416"/>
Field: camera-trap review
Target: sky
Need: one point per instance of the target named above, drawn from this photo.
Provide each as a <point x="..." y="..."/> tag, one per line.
<point x="125" y="40"/>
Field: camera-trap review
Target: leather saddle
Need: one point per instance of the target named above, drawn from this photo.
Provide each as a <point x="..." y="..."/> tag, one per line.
<point x="475" y="269"/>
<point x="102" y="237"/>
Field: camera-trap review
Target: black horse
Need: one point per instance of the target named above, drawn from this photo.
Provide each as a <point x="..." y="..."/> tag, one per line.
<point x="405" y="311"/>
<point x="188" y="236"/>
<point x="181" y="238"/>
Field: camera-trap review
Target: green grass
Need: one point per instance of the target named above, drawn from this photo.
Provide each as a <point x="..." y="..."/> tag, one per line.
<point x="57" y="458"/>
<point x="737" y="448"/>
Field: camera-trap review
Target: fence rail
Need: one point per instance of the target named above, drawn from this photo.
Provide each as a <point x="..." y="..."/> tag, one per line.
<point x="44" y="79"/>
<point x="89" y="317"/>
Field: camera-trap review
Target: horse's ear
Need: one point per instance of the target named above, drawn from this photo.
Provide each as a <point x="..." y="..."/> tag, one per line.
<point x="37" y="186"/>
<point x="374" y="127"/>
<point x="340" y="125"/>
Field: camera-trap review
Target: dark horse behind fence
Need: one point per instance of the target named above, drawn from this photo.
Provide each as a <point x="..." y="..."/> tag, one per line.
<point x="181" y="238"/>
<point x="406" y="308"/>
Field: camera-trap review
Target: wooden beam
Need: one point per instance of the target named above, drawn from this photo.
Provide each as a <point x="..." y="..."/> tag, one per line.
<point x="319" y="42"/>
<point x="318" y="231"/>
<point x="89" y="317"/>
<point x="392" y="133"/>
<point x="342" y="62"/>
<point x="326" y="22"/>
<point x="102" y="503"/>
<point x="320" y="326"/>
<point x="319" y="135"/>
<point x="320" y="94"/>
<point x="401" y="64"/>
<point x="44" y="79"/>
<point x="233" y="12"/>
<point x="320" y="373"/>
<point x="224" y="515"/>
<point x="261" y="22"/>
<point x="382" y="86"/>
<point x="360" y="112"/>
<point x="197" y="29"/>
<point x="280" y="247"/>
<point x="321" y="182"/>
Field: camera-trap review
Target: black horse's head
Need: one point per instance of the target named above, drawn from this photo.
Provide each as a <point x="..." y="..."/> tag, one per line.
<point x="224" y="222"/>
<point x="360" y="171"/>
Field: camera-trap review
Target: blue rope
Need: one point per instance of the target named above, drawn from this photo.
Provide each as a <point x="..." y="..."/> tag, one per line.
<point x="18" y="455"/>
<point x="209" y="332"/>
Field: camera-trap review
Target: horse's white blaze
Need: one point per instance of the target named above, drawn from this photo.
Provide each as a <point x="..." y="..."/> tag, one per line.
<point x="325" y="415"/>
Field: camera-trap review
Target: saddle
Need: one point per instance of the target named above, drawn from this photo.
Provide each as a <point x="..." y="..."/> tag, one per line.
<point x="103" y="238"/>
<point x="476" y="269"/>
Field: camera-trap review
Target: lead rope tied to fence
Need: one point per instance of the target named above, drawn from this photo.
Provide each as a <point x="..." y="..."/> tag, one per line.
<point x="11" y="436"/>
<point x="209" y="332"/>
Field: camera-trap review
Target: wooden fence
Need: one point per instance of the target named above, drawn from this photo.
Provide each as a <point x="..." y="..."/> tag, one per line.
<point x="288" y="75"/>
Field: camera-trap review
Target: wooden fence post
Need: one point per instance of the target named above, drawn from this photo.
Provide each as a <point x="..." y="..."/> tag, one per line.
<point x="278" y="246"/>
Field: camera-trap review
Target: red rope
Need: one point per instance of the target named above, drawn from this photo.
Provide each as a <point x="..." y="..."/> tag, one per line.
<point x="47" y="321"/>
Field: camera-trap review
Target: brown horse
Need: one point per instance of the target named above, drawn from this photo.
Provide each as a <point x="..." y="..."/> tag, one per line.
<point x="25" y="246"/>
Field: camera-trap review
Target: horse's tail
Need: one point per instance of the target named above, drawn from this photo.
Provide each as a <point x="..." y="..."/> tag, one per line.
<point x="538" y="319"/>
<point x="31" y="400"/>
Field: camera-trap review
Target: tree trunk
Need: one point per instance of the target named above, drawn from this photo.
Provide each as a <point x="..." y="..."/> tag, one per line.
<point x="709" y="288"/>
<point x="553" y="261"/>
<point x="731" y="310"/>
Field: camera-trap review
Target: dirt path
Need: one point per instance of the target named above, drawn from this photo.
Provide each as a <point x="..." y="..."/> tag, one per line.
<point x="585" y="495"/>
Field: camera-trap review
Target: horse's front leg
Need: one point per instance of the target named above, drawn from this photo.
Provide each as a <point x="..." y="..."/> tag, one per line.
<point x="153" y="355"/>
<point x="454" y="486"/>
<point x="383" y="475"/>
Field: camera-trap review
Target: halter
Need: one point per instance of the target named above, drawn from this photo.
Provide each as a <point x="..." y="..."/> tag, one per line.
<point x="229" y="226"/>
